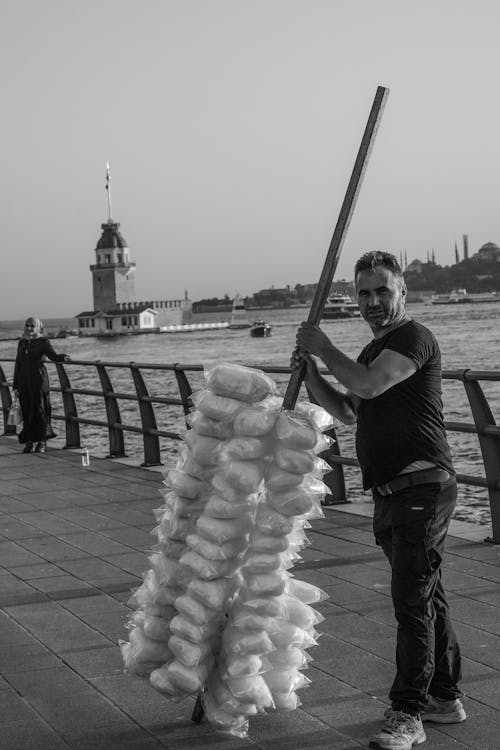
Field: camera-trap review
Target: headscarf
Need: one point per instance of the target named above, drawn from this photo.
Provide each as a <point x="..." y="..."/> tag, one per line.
<point x="38" y="330"/>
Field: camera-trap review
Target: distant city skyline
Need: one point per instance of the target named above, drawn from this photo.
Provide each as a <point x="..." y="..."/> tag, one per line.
<point x="231" y="128"/>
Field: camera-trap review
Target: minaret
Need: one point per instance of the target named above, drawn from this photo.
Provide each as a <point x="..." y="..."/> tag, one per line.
<point x="113" y="275"/>
<point x="466" y="246"/>
<point x="457" y="259"/>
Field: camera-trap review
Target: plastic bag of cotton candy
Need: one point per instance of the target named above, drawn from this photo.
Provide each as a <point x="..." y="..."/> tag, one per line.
<point x="271" y="623"/>
<point x="201" y="533"/>
<point x="237" y="506"/>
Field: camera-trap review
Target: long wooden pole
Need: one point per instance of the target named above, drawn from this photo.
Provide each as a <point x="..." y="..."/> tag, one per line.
<point x="339" y="234"/>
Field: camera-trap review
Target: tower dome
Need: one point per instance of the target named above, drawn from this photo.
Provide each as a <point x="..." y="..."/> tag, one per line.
<point x="111" y="237"/>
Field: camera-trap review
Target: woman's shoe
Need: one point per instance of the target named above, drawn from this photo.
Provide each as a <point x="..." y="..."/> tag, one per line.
<point x="28" y="448"/>
<point x="40" y="447"/>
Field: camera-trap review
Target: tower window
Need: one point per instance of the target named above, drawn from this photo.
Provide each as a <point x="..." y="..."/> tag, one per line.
<point x="119" y="257"/>
<point x="107" y="258"/>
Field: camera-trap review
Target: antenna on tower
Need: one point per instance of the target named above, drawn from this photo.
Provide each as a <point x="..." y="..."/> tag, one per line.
<point x="108" y="189"/>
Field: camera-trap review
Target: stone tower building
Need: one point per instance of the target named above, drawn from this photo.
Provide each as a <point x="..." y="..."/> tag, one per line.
<point x="113" y="274"/>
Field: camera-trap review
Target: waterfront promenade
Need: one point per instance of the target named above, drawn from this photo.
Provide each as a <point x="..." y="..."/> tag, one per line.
<point x="73" y="543"/>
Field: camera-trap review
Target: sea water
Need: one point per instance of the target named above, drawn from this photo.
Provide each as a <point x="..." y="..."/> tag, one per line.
<point x="468" y="335"/>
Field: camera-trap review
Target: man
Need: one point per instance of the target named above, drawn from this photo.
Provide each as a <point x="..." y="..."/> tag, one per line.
<point x="394" y="395"/>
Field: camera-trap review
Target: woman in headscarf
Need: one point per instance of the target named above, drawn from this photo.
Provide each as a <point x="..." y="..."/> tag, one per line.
<point x="31" y="384"/>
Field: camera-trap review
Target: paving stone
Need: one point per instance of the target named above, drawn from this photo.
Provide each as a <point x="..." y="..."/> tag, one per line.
<point x="13" y="555"/>
<point x="48" y="522"/>
<point x="26" y="657"/>
<point x="132" y="537"/>
<point x="51" y="549"/>
<point x="88" y="519"/>
<point x="95" y="662"/>
<point x="56" y="627"/>
<point x="33" y="572"/>
<point x="94" y="544"/>
<point x="132" y="562"/>
<point x="34" y="734"/>
<point x="61" y="586"/>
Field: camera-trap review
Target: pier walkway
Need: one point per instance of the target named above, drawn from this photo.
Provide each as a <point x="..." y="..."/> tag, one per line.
<point x="73" y="542"/>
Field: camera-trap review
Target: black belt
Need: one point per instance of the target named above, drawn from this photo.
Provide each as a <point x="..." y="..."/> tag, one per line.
<point x="413" y="478"/>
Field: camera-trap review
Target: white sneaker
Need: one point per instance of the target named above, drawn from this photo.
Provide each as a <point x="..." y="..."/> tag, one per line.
<point x="400" y="731"/>
<point x="443" y="712"/>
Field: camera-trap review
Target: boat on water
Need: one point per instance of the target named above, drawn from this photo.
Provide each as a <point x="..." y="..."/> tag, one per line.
<point x="461" y="296"/>
<point x="340" y="306"/>
<point x="260" y="329"/>
<point x="239" y="318"/>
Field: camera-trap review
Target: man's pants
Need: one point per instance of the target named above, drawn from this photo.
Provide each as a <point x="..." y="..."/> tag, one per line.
<point x="411" y="527"/>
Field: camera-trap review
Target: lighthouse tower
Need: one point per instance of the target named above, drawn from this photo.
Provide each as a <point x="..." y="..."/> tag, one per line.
<point x="116" y="311"/>
<point x="113" y="275"/>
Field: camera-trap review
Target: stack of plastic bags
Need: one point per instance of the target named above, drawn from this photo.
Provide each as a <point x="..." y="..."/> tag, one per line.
<point x="218" y="613"/>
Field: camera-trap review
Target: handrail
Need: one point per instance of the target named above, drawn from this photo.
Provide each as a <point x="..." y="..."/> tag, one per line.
<point x="483" y="425"/>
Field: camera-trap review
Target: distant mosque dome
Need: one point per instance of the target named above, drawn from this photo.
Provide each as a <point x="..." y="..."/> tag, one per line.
<point x="489" y="251"/>
<point x="111" y="237"/>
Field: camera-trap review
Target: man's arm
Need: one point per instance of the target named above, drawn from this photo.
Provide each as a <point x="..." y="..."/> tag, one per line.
<point x="365" y="381"/>
<point x="341" y="405"/>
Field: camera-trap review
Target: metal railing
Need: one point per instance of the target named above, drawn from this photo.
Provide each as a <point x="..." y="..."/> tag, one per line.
<point x="484" y="425"/>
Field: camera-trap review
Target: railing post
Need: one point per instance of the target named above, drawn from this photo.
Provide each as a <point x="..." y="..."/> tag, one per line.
<point x="116" y="442"/>
<point x="8" y="429"/>
<point x="490" y="449"/>
<point x="334" y="479"/>
<point x="185" y="389"/>
<point x="70" y="410"/>
<point x="151" y="442"/>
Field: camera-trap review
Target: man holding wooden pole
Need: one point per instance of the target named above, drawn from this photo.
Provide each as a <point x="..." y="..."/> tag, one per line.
<point x="393" y="393"/>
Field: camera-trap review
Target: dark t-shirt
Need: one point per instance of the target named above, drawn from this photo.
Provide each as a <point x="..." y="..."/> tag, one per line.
<point x="405" y="423"/>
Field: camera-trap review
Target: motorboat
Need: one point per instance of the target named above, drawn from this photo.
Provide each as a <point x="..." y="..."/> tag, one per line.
<point x="340" y="306"/>
<point x="239" y="317"/>
<point x="260" y="329"/>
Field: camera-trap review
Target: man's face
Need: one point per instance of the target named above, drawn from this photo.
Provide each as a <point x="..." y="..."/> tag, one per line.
<point x="381" y="298"/>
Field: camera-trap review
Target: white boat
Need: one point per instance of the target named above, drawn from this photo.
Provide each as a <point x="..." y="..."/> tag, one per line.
<point x="239" y="317"/>
<point x="340" y="306"/>
<point x="461" y="296"/>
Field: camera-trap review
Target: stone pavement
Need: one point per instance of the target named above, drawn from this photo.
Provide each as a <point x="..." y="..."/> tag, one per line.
<point x="73" y="542"/>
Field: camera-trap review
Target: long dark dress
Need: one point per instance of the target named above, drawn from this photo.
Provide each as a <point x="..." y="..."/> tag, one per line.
<point x="31" y="380"/>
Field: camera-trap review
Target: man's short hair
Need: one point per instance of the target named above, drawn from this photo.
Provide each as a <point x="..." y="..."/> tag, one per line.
<point x="372" y="260"/>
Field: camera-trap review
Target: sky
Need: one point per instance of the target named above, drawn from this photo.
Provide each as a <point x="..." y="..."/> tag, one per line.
<point x="231" y="128"/>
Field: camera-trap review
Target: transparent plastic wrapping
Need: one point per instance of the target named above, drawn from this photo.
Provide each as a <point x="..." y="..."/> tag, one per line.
<point x="243" y="476"/>
<point x="216" y="407"/>
<point x="213" y="550"/>
<point x="184" y="484"/>
<point x="190" y="631"/>
<point x="245" y="448"/>
<point x="297" y="462"/>
<point x="196" y="611"/>
<point x="317" y="416"/>
<point x="204" y="425"/>
<point x="205" y="450"/>
<point x="222" y="530"/>
<point x="207" y="569"/>
<point x="255" y="421"/>
<point x="239" y="382"/>
<point x="294" y="431"/>
<point x="213" y="594"/>
<point x="218" y="507"/>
